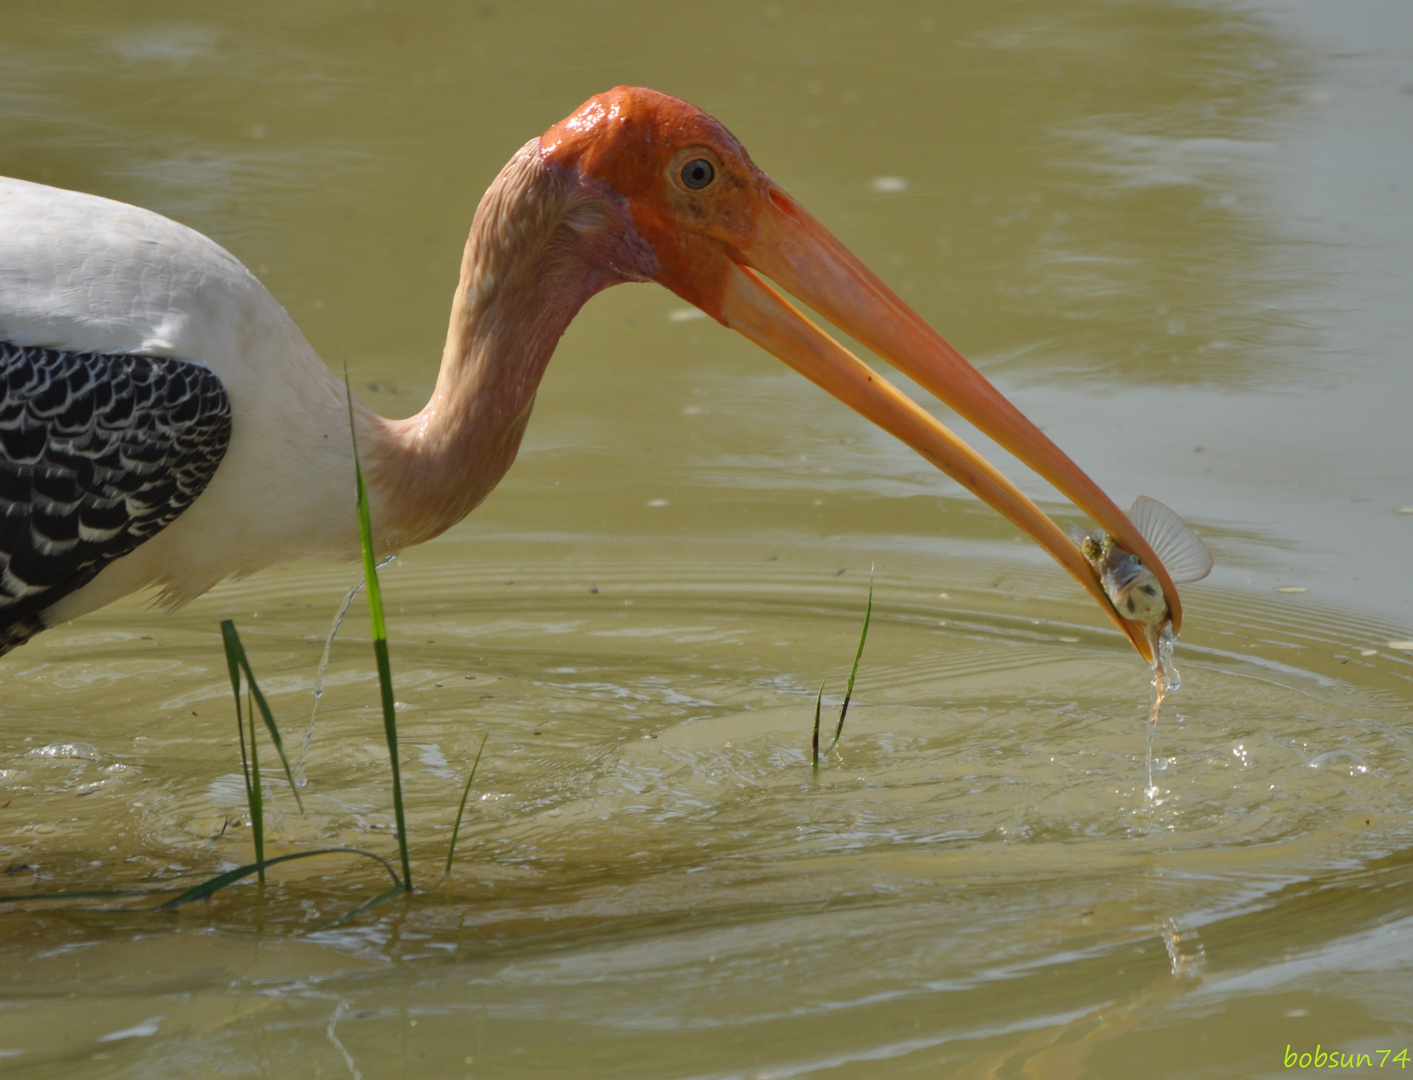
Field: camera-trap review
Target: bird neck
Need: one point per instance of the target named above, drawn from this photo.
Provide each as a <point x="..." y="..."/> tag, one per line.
<point x="528" y="267"/>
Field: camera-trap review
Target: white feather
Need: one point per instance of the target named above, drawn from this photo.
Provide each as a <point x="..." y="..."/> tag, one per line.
<point x="1179" y="549"/>
<point x="87" y="274"/>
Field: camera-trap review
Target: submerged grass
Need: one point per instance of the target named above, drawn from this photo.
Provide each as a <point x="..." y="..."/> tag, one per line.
<point x="848" y="692"/>
<point x="238" y="666"/>
<point x="213" y="885"/>
<point x="237" y="662"/>
<point x="466" y="791"/>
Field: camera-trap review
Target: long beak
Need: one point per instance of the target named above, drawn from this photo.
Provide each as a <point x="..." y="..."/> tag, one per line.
<point x="799" y="254"/>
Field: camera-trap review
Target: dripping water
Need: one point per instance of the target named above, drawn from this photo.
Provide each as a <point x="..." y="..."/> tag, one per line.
<point x="1165" y="681"/>
<point x="299" y="777"/>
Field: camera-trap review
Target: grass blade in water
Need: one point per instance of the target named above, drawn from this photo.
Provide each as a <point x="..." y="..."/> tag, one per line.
<point x="249" y="761"/>
<point x="230" y="877"/>
<point x="323" y="668"/>
<point x="814" y="740"/>
<point x="367" y="905"/>
<point x="853" y="672"/>
<point x="848" y="691"/>
<point x="82" y="894"/>
<point x="456" y="828"/>
<point x="380" y="644"/>
<point x="236" y="658"/>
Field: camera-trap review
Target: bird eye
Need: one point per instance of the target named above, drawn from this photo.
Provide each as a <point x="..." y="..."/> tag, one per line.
<point x="698" y="173"/>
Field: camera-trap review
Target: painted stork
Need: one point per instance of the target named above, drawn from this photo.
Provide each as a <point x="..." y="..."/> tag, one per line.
<point x="163" y="422"/>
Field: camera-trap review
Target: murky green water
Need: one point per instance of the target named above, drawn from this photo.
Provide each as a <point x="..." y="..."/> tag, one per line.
<point x="1178" y="235"/>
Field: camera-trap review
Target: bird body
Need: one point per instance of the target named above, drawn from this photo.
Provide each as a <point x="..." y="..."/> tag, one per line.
<point x="163" y="422"/>
<point x="92" y="277"/>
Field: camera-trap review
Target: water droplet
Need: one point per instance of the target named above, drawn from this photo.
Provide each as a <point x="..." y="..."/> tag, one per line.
<point x="888" y="185"/>
<point x="1346" y="761"/>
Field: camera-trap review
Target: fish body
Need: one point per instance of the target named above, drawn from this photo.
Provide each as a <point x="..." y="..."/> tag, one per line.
<point x="1131" y="587"/>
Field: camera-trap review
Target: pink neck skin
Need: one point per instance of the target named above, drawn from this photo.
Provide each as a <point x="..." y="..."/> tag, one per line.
<point x="544" y="240"/>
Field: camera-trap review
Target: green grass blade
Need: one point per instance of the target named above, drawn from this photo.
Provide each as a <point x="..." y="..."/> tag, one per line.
<point x="249" y="762"/>
<point x="814" y="742"/>
<point x="256" y="791"/>
<point x="465" y="792"/>
<point x="849" y="691"/>
<point x="235" y="648"/>
<point x="368" y="905"/>
<point x="273" y="729"/>
<point x="380" y="642"/>
<point x="82" y="894"/>
<point x="230" y="877"/>
<point x="231" y="642"/>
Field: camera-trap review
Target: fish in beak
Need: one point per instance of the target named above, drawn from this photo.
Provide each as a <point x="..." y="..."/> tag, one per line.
<point x="728" y="239"/>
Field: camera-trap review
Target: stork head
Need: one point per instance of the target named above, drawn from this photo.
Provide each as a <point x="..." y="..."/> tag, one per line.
<point x="721" y="231"/>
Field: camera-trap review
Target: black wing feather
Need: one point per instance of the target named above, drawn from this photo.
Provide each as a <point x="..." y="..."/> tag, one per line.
<point x="97" y="454"/>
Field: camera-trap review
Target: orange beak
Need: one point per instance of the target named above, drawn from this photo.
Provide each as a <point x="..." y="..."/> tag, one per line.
<point x="799" y="254"/>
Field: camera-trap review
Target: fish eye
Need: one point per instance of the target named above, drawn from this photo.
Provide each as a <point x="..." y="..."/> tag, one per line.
<point x="698" y="173"/>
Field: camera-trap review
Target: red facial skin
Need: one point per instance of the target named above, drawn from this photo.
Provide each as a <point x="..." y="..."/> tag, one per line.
<point x="636" y="141"/>
<point x="716" y="245"/>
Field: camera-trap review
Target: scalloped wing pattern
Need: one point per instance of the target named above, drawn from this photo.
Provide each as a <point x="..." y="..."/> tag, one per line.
<point x="98" y="453"/>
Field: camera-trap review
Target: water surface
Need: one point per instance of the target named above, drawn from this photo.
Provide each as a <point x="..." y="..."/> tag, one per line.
<point x="1177" y="234"/>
